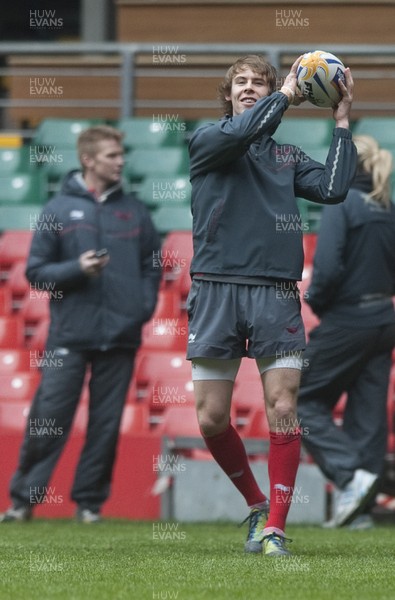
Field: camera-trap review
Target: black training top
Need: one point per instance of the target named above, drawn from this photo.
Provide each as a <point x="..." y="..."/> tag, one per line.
<point x="246" y="220"/>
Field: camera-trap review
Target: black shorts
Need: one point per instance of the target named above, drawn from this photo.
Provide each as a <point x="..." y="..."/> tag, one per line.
<point x="232" y="320"/>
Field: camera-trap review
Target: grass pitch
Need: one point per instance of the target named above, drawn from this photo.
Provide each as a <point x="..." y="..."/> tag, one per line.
<point x="124" y="560"/>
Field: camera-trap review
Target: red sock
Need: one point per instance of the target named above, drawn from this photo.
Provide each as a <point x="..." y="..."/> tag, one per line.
<point x="229" y="452"/>
<point x="283" y="464"/>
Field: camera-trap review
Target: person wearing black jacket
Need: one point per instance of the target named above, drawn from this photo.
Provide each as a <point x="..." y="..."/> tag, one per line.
<point x="93" y="251"/>
<point x="248" y="258"/>
<point x="350" y="350"/>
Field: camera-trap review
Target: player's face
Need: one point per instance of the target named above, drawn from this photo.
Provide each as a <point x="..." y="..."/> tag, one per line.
<point x="247" y="88"/>
<point x="107" y="163"/>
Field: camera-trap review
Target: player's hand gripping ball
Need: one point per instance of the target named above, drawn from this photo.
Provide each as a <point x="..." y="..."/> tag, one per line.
<point x="318" y="75"/>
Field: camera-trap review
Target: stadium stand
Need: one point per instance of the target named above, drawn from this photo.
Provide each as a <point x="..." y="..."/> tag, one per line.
<point x="59" y="133"/>
<point x="160" y="399"/>
<point x="151" y="132"/>
<point x="298" y="131"/>
<point x="11" y="331"/>
<point x="14" y="360"/>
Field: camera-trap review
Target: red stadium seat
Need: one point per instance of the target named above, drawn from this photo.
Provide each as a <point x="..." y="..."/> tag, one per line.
<point x="135" y="420"/>
<point x="13" y="416"/>
<point x="17" y="283"/>
<point x="39" y="337"/>
<point x="13" y="360"/>
<point x="14" y="246"/>
<point x="310" y="320"/>
<point x="33" y="310"/>
<point x="165" y="334"/>
<point x="248" y="394"/>
<point x="168" y="304"/>
<point x="19" y="386"/>
<point x="159" y="365"/>
<point x="309" y="244"/>
<point x="11" y="331"/>
<point x="256" y="425"/>
<point x="5" y="301"/>
<point x="179" y="421"/>
<point x="176" y="255"/>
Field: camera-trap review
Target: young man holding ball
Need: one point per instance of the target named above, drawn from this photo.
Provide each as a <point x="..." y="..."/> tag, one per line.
<point x="240" y="191"/>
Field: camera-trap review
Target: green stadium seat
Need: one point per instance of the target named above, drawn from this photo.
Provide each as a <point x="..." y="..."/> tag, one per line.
<point x="305" y="132"/>
<point x="380" y="128"/>
<point x="14" y="160"/>
<point x="150" y="162"/>
<point x="58" y="165"/>
<point x="318" y="154"/>
<point x="310" y="213"/>
<point x="21" y="216"/>
<point x="24" y="188"/>
<point x="172" y="218"/>
<point x="158" y="191"/>
<point x="145" y="132"/>
<point x="62" y="133"/>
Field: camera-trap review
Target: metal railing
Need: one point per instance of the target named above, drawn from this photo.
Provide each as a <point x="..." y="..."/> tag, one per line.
<point x="127" y="69"/>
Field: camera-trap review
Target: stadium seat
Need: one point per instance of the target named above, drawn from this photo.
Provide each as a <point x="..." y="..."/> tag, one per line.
<point x="135" y="420"/>
<point x="153" y="365"/>
<point x="248" y="394"/>
<point x="33" y="310"/>
<point x="67" y="160"/>
<point x="24" y="188"/>
<point x="16" y="283"/>
<point x="19" y="386"/>
<point x="305" y="132"/>
<point x="309" y="245"/>
<point x="156" y="162"/>
<point x="380" y="128"/>
<point x="39" y="338"/>
<point x="5" y="301"/>
<point x="179" y="421"/>
<point x="159" y="191"/>
<point x="170" y="218"/>
<point x="62" y="133"/>
<point x="256" y="425"/>
<point x="310" y="320"/>
<point x="165" y="334"/>
<point x="20" y="216"/>
<point x="13" y="415"/>
<point x="13" y="360"/>
<point x="320" y="154"/>
<point x="168" y="304"/>
<point x="14" y="160"/>
<point x="14" y="247"/>
<point x="11" y="331"/>
<point x="146" y="132"/>
<point x="311" y="215"/>
<point x="176" y="254"/>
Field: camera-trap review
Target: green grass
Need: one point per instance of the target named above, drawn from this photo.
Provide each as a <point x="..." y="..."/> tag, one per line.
<point x="118" y="560"/>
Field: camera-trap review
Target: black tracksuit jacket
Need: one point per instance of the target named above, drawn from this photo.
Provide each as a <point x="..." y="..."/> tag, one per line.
<point x="354" y="263"/>
<point x="108" y="310"/>
<point x="246" y="220"/>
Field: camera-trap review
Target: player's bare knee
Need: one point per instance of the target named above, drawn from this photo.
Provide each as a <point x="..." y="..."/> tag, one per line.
<point x="212" y="423"/>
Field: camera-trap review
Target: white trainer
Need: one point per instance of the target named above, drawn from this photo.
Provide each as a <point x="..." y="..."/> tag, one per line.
<point x="355" y="496"/>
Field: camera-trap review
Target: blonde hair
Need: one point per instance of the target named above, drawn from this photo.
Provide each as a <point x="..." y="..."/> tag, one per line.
<point x="258" y="65"/>
<point x="88" y="140"/>
<point x="378" y="163"/>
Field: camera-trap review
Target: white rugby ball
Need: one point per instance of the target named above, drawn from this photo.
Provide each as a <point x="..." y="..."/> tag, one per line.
<point x="318" y="75"/>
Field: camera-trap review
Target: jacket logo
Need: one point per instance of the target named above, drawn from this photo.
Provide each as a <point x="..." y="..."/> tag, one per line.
<point x="77" y="215"/>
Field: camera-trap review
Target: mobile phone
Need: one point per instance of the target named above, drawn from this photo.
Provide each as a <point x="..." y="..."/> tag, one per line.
<point x="100" y="253"/>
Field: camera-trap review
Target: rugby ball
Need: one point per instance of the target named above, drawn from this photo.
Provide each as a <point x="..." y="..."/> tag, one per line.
<point x="318" y="75"/>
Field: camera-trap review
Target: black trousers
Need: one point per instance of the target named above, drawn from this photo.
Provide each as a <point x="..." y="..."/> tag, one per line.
<point x="50" y="421"/>
<point x="358" y="362"/>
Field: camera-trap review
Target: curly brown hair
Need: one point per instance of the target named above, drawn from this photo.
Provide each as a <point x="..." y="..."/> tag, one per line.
<point x="257" y="64"/>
